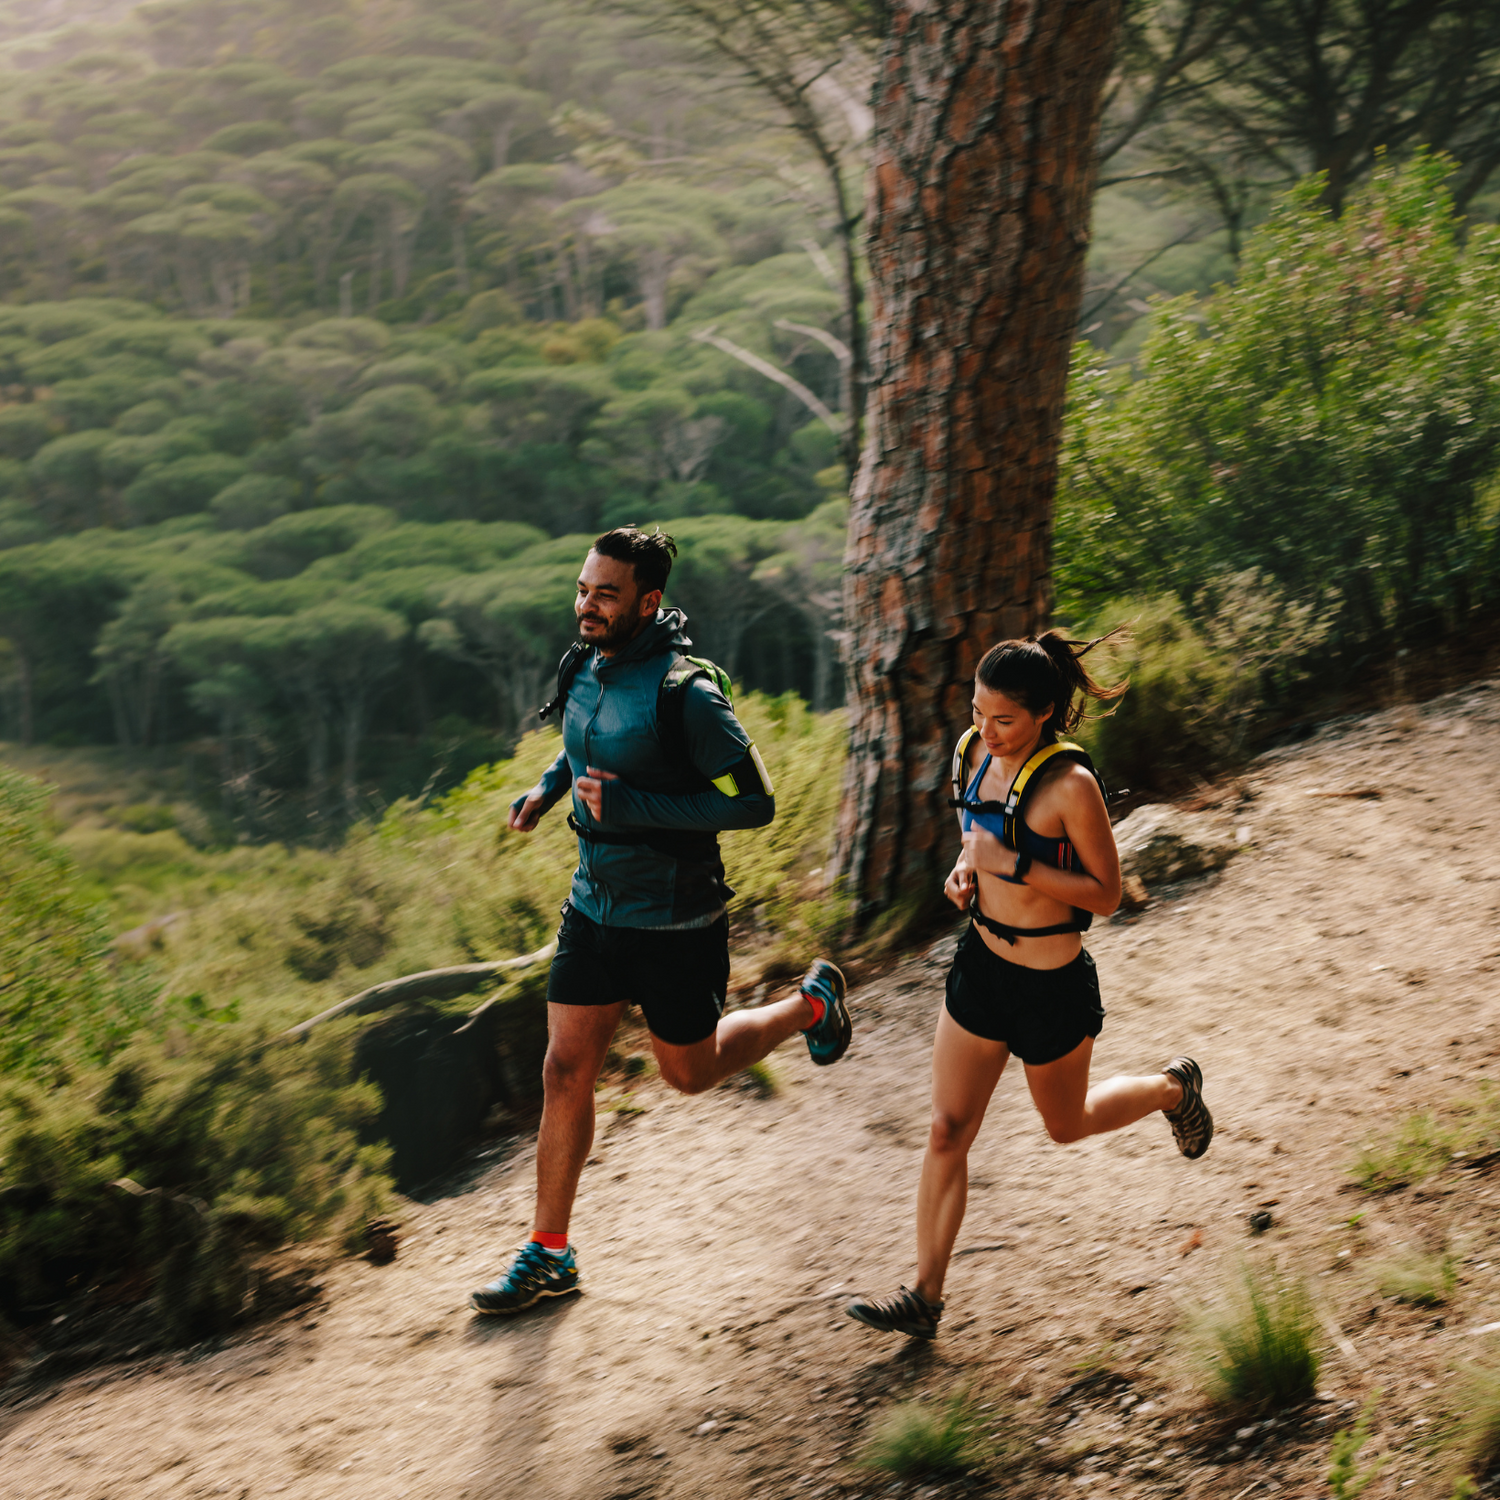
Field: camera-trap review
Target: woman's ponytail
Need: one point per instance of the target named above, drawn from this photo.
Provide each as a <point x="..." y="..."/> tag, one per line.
<point x="1047" y="671"/>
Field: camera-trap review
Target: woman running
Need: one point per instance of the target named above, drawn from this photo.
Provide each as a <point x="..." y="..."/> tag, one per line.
<point x="1021" y="980"/>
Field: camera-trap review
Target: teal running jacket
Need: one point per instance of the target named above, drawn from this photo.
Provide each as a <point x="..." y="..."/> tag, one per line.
<point x="609" y="722"/>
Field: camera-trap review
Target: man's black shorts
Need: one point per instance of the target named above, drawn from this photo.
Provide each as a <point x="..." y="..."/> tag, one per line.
<point x="678" y="976"/>
<point x="1040" y="1014"/>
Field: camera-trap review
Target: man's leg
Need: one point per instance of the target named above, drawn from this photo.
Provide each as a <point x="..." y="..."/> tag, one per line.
<point x="741" y="1038"/>
<point x="578" y="1036"/>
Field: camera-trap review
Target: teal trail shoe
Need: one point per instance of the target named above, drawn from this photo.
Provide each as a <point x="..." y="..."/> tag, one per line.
<point x="828" y="1039"/>
<point x="536" y="1273"/>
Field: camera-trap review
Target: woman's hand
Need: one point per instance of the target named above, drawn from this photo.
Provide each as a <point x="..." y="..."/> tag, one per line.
<point x="959" y="886"/>
<point x="983" y="851"/>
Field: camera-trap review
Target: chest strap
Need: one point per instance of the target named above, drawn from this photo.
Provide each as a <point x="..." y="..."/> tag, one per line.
<point x="1009" y="934"/>
<point x="683" y="844"/>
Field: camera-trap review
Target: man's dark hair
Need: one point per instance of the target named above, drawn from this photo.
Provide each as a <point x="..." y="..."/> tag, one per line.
<point x="649" y="554"/>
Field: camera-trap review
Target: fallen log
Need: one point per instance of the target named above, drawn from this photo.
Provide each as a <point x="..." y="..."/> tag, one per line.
<point x="430" y="984"/>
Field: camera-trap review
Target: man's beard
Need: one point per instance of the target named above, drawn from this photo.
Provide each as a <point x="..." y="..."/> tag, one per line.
<point x="620" y="633"/>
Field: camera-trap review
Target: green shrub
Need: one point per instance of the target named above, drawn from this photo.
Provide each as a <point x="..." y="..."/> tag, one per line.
<point x="1418" y="1147"/>
<point x="185" y="1167"/>
<point x="1262" y="1344"/>
<point x="1330" y="421"/>
<point x="1425" y="1143"/>
<point x="915" y="1438"/>
<point x="1176" y="720"/>
<point x="61" y="1004"/>
<point x="1480" y="1428"/>
<point x="269" y="1140"/>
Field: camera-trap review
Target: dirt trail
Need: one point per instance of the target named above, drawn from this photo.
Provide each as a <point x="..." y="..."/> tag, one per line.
<point x="1340" y="975"/>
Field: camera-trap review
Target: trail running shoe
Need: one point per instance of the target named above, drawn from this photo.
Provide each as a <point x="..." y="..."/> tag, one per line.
<point x="536" y="1273"/>
<point x="906" y="1312"/>
<point x="1192" y="1125"/>
<point x="828" y="1039"/>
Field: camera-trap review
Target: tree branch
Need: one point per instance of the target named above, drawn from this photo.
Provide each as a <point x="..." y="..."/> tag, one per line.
<point x="1183" y="55"/>
<point x="830" y="419"/>
<point x="430" y="984"/>
<point x="1123" y="281"/>
<point x="837" y="347"/>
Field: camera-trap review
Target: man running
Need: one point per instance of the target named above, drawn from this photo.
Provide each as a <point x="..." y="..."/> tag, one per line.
<point x="646" y="920"/>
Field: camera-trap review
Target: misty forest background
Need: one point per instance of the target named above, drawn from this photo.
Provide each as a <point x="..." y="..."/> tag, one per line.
<point x="330" y="335"/>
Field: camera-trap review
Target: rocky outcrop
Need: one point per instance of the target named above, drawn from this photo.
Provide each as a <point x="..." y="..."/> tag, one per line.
<point x="1160" y="844"/>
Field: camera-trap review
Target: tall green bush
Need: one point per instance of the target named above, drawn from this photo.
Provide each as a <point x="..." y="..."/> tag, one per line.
<point x="183" y="1168"/>
<point x="1331" y="422"/>
<point x="61" y="1002"/>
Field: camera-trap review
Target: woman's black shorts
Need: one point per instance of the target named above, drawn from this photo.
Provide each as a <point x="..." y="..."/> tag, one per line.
<point x="1040" y="1014"/>
<point x="678" y="976"/>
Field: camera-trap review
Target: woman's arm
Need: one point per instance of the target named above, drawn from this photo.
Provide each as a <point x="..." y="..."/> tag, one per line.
<point x="1086" y="825"/>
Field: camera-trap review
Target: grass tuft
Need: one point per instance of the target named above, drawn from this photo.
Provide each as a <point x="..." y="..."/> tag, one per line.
<point x="1480" y="1430"/>
<point x="1416" y="1149"/>
<point x="1426" y="1143"/>
<point x="916" y="1438"/>
<point x="1345" y="1478"/>
<point x="761" y="1076"/>
<point x="1419" y="1279"/>
<point x="1262" y="1345"/>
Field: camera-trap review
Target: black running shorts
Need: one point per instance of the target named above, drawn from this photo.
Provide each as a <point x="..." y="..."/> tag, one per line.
<point x="677" y="976"/>
<point x="1040" y="1014"/>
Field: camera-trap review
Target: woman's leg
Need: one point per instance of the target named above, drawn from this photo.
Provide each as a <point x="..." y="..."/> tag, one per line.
<point x="965" y="1070"/>
<point x="1071" y="1110"/>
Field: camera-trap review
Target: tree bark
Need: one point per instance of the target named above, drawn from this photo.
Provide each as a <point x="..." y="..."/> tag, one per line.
<point x="986" y="117"/>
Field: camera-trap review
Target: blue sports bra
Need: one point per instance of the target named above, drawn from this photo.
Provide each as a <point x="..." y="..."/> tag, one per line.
<point x="1058" y="853"/>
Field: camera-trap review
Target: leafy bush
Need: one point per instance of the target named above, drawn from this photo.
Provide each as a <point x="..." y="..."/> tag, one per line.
<point x="231" y="1143"/>
<point x="1262" y="1344"/>
<point x="1481" y="1423"/>
<point x="1331" y="422"/>
<point x="183" y="1169"/>
<point x="915" y="1438"/>
<point x="60" y="1002"/>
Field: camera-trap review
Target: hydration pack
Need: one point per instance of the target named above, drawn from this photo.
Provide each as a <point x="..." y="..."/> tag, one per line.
<point x="1012" y="811"/>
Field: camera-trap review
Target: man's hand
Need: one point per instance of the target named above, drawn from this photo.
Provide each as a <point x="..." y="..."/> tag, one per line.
<point x="959" y="886"/>
<point x="590" y="789"/>
<point x="526" y="812"/>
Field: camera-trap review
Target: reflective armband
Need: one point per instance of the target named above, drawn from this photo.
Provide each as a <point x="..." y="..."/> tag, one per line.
<point x="747" y="777"/>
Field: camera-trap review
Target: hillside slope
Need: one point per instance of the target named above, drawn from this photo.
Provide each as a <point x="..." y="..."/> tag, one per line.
<point x="1337" y="978"/>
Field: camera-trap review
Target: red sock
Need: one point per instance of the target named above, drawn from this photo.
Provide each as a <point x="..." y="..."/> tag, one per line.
<point x="554" y="1242"/>
<point x="819" y="1008"/>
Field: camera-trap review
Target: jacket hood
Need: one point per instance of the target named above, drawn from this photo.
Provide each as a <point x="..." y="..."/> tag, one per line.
<point x="664" y="633"/>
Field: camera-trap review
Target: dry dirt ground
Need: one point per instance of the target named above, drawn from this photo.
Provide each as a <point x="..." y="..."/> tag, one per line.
<point x="1339" y="976"/>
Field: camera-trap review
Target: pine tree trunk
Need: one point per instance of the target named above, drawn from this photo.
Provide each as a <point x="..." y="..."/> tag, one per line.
<point x="985" y="122"/>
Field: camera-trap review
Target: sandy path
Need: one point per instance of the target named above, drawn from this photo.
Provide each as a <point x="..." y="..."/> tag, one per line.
<point x="1338" y="976"/>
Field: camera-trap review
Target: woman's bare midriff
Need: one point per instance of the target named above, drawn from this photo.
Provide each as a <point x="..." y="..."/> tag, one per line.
<point x="1017" y="907"/>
